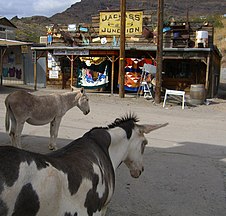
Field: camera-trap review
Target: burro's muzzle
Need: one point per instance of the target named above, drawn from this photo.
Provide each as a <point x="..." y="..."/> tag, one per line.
<point x="86" y="112"/>
<point x="136" y="173"/>
<point x="135" y="168"/>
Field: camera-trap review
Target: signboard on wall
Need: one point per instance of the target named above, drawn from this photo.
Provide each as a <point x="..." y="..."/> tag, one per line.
<point x="71" y="52"/>
<point x="53" y="74"/>
<point x="24" y="49"/>
<point x="110" y="23"/>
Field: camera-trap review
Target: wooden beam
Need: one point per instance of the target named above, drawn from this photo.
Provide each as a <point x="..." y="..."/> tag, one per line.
<point x="72" y="69"/>
<point x="112" y="60"/>
<point x="34" y="59"/>
<point x="207" y="74"/>
<point x="112" y="74"/>
<point x="158" y="86"/>
<point x="122" y="49"/>
<point x="72" y="59"/>
<point x="1" y="63"/>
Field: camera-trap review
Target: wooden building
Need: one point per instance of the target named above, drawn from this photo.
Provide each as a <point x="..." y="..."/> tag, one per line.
<point x="14" y="55"/>
<point x="189" y="55"/>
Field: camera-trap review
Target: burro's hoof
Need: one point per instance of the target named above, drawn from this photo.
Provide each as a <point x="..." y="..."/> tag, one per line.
<point x="52" y="148"/>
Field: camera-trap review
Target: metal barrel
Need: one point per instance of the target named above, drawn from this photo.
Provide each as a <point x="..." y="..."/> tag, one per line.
<point x="197" y="94"/>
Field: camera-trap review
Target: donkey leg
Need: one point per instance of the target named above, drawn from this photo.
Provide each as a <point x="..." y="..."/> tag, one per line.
<point x="19" y="128"/>
<point x="103" y="211"/>
<point x="15" y="133"/>
<point x="54" y="128"/>
<point x="10" y="123"/>
<point x="12" y="133"/>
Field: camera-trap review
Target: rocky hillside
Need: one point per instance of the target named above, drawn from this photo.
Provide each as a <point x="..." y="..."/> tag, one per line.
<point x="220" y="41"/>
<point x="30" y="28"/>
<point x="82" y="11"/>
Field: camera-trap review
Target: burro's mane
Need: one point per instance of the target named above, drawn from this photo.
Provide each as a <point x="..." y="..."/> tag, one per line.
<point x="127" y="122"/>
<point x="130" y="118"/>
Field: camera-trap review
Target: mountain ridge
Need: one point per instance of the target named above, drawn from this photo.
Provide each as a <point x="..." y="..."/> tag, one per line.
<point x="31" y="28"/>
<point x="84" y="11"/>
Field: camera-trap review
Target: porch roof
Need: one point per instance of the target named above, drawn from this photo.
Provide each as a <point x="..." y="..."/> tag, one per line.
<point x="6" y="43"/>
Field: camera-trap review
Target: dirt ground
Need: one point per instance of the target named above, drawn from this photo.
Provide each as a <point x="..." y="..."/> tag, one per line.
<point x="185" y="162"/>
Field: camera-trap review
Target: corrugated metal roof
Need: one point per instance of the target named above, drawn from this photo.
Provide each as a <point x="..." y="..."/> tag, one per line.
<point x="141" y="48"/>
<point x="5" y="42"/>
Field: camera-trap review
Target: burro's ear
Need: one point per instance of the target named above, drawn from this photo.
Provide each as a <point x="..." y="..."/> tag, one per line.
<point x="82" y="90"/>
<point x="146" y="128"/>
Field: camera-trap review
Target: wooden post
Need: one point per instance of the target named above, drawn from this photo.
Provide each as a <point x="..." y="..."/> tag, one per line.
<point x="72" y="68"/>
<point x="3" y="51"/>
<point x="112" y="60"/>
<point x="159" y="53"/>
<point x="34" y="58"/>
<point x="1" y="65"/>
<point x="122" y="49"/>
<point x="112" y="74"/>
<point x="207" y="74"/>
<point x="72" y="59"/>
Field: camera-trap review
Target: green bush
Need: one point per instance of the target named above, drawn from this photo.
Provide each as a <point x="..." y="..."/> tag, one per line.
<point x="215" y="20"/>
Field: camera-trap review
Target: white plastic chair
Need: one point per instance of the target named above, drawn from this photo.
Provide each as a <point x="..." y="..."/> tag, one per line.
<point x="176" y="93"/>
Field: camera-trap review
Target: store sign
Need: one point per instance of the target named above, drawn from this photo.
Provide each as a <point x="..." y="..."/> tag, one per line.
<point x="71" y="52"/>
<point x="110" y="23"/>
<point x="53" y="74"/>
<point x="24" y="49"/>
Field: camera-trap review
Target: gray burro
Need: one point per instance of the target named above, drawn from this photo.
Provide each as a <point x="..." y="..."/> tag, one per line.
<point x="22" y="107"/>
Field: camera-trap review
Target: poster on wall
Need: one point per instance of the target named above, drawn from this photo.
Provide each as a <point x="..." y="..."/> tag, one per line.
<point x="53" y="74"/>
<point x="50" y="59"/>
<point x="53" y="61"/>
<point x="53" y="66"/>
<point x="93" y="73"/>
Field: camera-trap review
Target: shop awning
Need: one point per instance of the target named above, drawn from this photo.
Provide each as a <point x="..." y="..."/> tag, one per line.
<point x="5" y="43"/>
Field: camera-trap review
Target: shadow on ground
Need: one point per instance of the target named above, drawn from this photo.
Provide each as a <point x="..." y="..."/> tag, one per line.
<point x="187" y="179"/>
<point x="37" y="144"/>
<point x="9" y="89"/>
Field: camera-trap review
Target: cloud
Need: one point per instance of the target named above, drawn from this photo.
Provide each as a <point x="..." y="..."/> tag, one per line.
<point x="51" y="7"/>
<point x="27" y="8"/>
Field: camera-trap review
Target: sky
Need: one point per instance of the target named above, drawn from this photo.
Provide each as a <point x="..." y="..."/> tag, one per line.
<point x="28" y="8"/>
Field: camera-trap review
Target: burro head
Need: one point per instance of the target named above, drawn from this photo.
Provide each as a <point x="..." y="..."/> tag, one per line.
<point x="134" y="156"/>
<point x="83" y="101"/>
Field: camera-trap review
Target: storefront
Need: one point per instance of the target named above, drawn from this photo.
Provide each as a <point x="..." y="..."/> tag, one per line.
<point x="92" y="67"/>
<point x="181" y="66"/>
<point x="188" y="57"/>
<point x="12" y="70"/>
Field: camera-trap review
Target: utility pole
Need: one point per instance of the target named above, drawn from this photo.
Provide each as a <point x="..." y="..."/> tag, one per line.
<point x="122" y="48"/>
<point x="159" y="52"/>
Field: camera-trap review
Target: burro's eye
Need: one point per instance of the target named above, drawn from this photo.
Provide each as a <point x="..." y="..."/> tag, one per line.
<point x="143" y="144"/>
